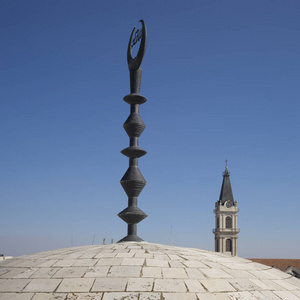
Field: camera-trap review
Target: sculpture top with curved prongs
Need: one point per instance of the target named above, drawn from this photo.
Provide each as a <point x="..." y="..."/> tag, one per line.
<point x="135" y="63"/>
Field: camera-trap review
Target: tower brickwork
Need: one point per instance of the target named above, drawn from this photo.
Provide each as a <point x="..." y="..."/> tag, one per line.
<point x="226" y="231"/>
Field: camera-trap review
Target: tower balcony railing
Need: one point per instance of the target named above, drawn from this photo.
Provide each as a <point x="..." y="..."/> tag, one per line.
<point x="228" y="212"/>
<point x="226" y="230"/>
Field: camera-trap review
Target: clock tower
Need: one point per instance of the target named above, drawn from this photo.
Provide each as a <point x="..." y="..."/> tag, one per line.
<point x="226" y="231"/>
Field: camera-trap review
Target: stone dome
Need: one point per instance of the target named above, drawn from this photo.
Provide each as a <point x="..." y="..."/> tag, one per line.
<point x="140" y="271"/>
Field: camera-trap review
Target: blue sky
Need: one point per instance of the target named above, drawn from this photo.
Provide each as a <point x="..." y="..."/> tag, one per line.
<point x="222" y="81"/>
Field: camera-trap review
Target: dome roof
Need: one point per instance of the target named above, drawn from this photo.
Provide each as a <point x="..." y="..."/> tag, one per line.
<point x="141" y="271"/>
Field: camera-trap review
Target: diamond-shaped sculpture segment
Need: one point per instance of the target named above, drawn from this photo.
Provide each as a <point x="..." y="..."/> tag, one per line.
<point x="132" y="215"/>
<point x="133" y="181"/>
<point x="134" y="125"/>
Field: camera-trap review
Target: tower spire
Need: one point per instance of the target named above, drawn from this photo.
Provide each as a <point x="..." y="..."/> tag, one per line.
<point x="226" y="231"/>
<point x="226" y="191"/>
<point x="133" y="181"/>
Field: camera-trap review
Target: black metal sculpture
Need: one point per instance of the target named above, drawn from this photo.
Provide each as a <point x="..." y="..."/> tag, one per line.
<point x="133" y="181"/>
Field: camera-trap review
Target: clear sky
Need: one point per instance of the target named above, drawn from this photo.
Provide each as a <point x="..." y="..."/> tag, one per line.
<point x="222" y="82"/>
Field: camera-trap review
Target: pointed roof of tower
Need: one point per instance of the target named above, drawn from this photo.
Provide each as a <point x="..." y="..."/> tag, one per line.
<point x="226" y="191"/>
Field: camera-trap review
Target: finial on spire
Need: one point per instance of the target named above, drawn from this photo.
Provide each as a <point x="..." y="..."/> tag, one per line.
<point x="226" y="163"/>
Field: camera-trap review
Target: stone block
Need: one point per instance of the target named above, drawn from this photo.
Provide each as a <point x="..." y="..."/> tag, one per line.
<point x="42" y="285"/>
<point x="69" y="285"/>
<point x="109" y="284"/>
<point x="166" y="285"/>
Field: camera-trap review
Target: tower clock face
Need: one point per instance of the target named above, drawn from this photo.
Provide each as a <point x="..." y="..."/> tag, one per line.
<point x="228" y="204"/>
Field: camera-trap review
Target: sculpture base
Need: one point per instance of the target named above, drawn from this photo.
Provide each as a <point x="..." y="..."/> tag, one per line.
<point x="131" y="238"/>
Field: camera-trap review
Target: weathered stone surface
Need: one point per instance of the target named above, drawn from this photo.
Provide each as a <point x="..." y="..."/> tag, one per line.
<point x="75" y="285"/>
<point x="141" y="271"/>
<point x="42" y="285"/>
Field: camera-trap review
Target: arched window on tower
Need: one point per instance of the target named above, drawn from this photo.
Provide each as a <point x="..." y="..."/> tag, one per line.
<point x="228" y="222"/>
<point x="218" y="222"/>
<point x="228" y="245"/>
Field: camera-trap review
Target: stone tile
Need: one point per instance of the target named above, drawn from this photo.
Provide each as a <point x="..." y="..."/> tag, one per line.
<point x="143" y="255"/>
<point x="28" y="263"/>
<point x="10" y="262"/>
<point x="42" y="285"/>
<point x="261" y="274"/>
<point x="150" y="296"/>
<point x="97" y="272"/>
<point x="123" y="271"/>
<point x="15" y="296"/>
<point x="176" y="264"/>
<point x="270" y="295"/>
<point x="179" y="296"/>
<point x="132" y="262"/>
<point x="84" y="296"/>
<point x="194" y="273"/>
<point x="174" y="257"/>
<point x="276" y="274"/>
<point x="174" y="273"/>
<point x="4" y="270"/>
<point x="258" y="295"/>
<point x="244" y="285"/>
<point x="297" y="293"/>
<point x="269" y="283"/>
<point x="26" y="274"/>
<point x="213" y="265"/>
<point x="49" y="296"/>
<point x="108" y="249"/>
<point x="286" y="295"/>
<point x="293" y="280"/>
<point x="221" y="296"/>
<point x="13" y="285"/>
<point x="241" y="296"/>
<point x="194" y="264"/>
<point x="156" y="263"/>
<point x="13" y="272"/>
<point x="120" y="296"/>
<point x="215" y="273"/>
<point x="160" y="256"/>
<point x="89" y="255"/>
<point x="76" y="272"/>
<point x="48" y="263"/>
<point x="285" y="284"/>
<point x="64" y="263"/>
<point x="139" y="285"/>
<point x="261" y="284"/>
<point x="74" y="285"/>
<point x="109" y="284"/>
<point x="165" y="285"/>
<point x="238" y="266"/>
<point x="86" y="262"/>
<point x="206" y="296"/>
<point x="217" y="285"/>
<point x="45" y="272"/>
<point x="105" y="255"/>
<point x="152" y="272"/>
<point x="194" y="286"/>
<point x="116" y="261"/>
<point x="125" y="254"/>
<point x="134" y="246"/>
<point x="137" y="251"/>
<point x="240" y="273"/>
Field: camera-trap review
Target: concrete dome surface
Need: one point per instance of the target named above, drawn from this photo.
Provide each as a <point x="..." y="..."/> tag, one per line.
<point x="141" y="271"/>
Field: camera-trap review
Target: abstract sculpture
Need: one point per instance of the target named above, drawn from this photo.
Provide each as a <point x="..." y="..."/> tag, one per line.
<point x="133" y="181"/>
